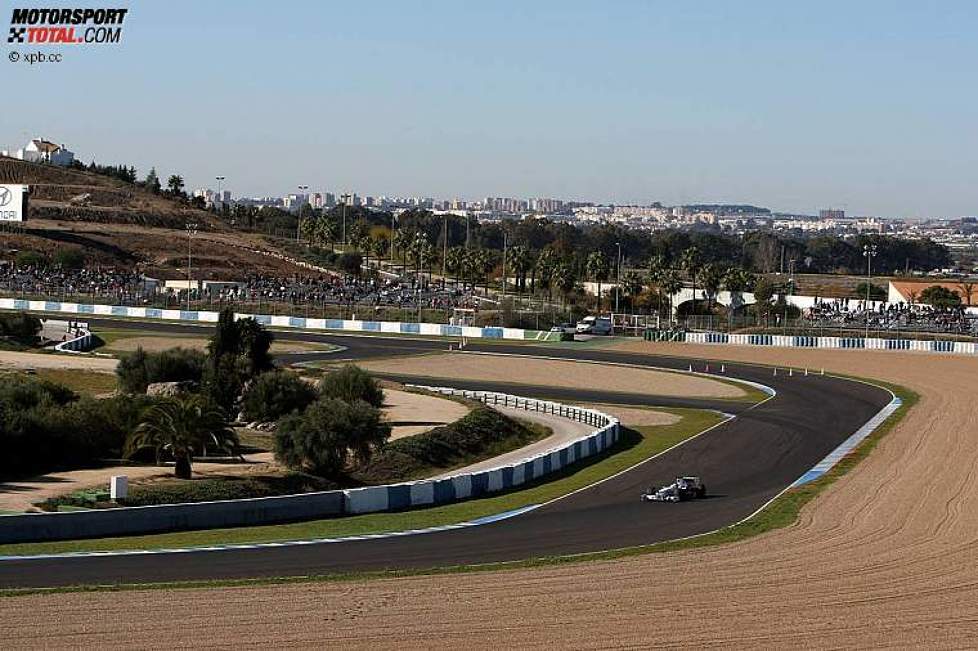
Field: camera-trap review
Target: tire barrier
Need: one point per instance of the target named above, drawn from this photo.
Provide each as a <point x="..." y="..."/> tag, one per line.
<point x="31" y="527"/>
<point x="281" y="321"/>
<point x="801" y="341"/>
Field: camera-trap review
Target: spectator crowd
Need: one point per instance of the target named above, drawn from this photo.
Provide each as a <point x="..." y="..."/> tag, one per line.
<point x="844" y="313"/>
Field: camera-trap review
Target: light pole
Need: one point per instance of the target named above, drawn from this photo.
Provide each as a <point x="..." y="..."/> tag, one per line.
<point x="869" y="252"/>
<point x="298" y="211"/>
<point x="504" y="263"/>
<point x="618" y="274"/>
<point x="191" y="231"/>
<point x="220" y="182"/>
<point x="444" y="251"/>
<point x="346" y="198"/>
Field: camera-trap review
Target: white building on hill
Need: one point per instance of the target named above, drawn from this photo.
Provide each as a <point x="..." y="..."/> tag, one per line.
<point x="39" y="150"/>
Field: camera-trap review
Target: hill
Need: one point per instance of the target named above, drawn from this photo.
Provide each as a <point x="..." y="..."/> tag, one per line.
<point x="122" y="225"/>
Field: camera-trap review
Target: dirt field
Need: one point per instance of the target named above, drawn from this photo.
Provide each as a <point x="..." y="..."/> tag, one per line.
<point x="888" y="556"/>
<point x="156" y="344"/>
<point x="416" y="413"/>
<point x="556" y="373"/>
<point x="10" y="359"/>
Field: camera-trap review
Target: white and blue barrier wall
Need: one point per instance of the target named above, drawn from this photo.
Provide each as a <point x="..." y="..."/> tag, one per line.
<point x="279" y="321"/>
<point x="826" y="343"/>
<point x="29" y="527"/>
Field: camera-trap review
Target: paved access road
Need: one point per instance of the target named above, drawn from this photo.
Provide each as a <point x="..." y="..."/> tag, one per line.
<point x="745" y="462"/>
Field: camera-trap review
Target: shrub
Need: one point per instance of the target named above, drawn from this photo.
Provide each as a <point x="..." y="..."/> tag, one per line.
<point x="139" y="369"/>
<point x="70" y="259"/>
<point x="480" y="434"/>
<point x="276" y="394"/>
<point x="30" y="259"/>
<point x="224" y="488"/>
<point x="21" y="327"/>
<point x="940" y="297"/>
<point x="352" y="383"/>
<point x="350" y="263"/>
<point x="327" y="433"/>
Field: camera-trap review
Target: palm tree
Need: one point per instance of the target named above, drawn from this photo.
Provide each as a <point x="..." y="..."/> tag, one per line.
<point x="670" y="283"/>
<point x="455" y="261"/>
<point x="711" y="277"/>
<point x="631" y="286"/>
<point x="597" y="269"/>
<point x="563" y="278"/>
<point x="738" y="280"/>
<point x="180" y="426"/>
<point x="519" y="261"/>
<point x="402" y="241"/>
<point x="545" y="264"/>
<point x="690" y="263"/>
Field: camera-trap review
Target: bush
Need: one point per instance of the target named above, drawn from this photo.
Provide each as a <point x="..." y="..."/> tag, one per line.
<point x="30" y="259"/>
<point x="44" y="426"/>
<point x="70" y="259"/>
<point x="350" y="263"/>
<point x="330" y="431"/>
<point x="276" y="394"/>
<point x="224" y="488"/>
<point x="480" y="434"/>
<point x="940" y="297"/>
<point x="352" y="383"/>
<point x="21" y="327"/>
<point x="139" y="369"/>
<point x="876" y="293"/>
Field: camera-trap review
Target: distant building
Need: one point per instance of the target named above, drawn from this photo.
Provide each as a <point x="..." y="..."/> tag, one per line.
<point x="831" y="213"/>
<point x="40" y="150"/>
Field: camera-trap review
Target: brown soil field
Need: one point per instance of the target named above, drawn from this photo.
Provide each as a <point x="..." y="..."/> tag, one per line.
<point x="544" y="372"/>
<point x="885" y="557"/>
<point x="415" y="413"/>
<point x="151" y="343"/>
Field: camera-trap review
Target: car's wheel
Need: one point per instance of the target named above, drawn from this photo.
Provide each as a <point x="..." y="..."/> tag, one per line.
<point x="701" y="491"/>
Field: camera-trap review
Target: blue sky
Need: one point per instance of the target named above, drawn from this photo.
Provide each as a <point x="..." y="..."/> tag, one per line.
<point x="870" y="106"/>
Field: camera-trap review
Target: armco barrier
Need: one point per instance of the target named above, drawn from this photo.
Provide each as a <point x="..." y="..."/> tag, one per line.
<point x="268" y="510"/>
<point x="467" y="485"/>
<point x="282" y="321"/>
<point x="793" y="341"/>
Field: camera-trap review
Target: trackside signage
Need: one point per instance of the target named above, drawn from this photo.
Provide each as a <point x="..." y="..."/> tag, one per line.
<point x="12" y="199"/>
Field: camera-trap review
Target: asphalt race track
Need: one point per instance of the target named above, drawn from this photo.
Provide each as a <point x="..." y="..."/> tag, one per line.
<point x="744" y="462"/>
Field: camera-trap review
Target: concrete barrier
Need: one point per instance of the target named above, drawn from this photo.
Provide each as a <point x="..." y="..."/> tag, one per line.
<point x="97" y="523"/>
<point x="281" y="321"/>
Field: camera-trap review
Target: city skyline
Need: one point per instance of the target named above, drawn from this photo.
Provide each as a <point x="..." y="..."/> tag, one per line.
<point x="793" y="108"/>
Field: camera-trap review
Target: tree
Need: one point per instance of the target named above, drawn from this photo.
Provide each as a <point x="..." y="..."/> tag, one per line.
<point x="352" y="383"/>
<point x="763" y="293"/>
<point x="152" y="181"/>
<point x="545" y="265"/>
<point x="237" y="353"/>
<point x="139" y="369"/>
<point x="518" y="261"/>
<point x="690" y="262"/>
<point x="631" y="287"/>
<point x="967" y="288"/>
<point x="325" y="233"/>
<point x="711" y="277"/>
<point x="180" y="426"/>
<point x="940" y="297"/>
<point x="597" y="270"/>
<point x="276" y="394"/>
<point x="321" y="439"/>
<point x="70" y="259"/>
<point x="670" y="284"/>
<point x="563" y="278"/>
<point x="174" y="185"/>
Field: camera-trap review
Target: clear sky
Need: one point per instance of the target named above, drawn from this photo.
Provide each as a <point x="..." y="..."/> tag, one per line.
<point x="868" y="106"/>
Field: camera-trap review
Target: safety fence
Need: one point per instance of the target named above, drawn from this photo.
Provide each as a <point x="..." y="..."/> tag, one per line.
<point x="280" y="321"/>
<point x="802" y="341"/>
<point x="95" y="523"/>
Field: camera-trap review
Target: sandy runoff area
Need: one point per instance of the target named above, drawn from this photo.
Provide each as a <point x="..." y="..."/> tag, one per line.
<point x="556" y="373"/>
<point x="887" y="556"/>
<point x="154" y="344"/>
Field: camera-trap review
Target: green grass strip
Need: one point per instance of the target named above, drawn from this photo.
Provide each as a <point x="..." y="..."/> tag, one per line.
<point x="636" y="445"/>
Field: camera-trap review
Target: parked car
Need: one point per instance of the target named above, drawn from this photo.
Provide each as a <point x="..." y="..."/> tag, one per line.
<point x="566" y="331"/>
<point x="594" y="325"/>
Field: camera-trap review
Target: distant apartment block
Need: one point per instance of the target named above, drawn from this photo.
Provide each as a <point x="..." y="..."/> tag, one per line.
<point x="40" y="150"/>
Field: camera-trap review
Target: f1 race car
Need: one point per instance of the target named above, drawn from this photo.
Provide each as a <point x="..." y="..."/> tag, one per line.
<point x="684" y="488"/>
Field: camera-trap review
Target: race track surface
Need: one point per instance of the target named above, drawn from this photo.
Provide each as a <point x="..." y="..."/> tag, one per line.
<point x="745" y="462"/>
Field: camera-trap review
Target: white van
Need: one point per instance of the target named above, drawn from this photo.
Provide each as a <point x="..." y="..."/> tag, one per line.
<point x="594" y="325"/>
